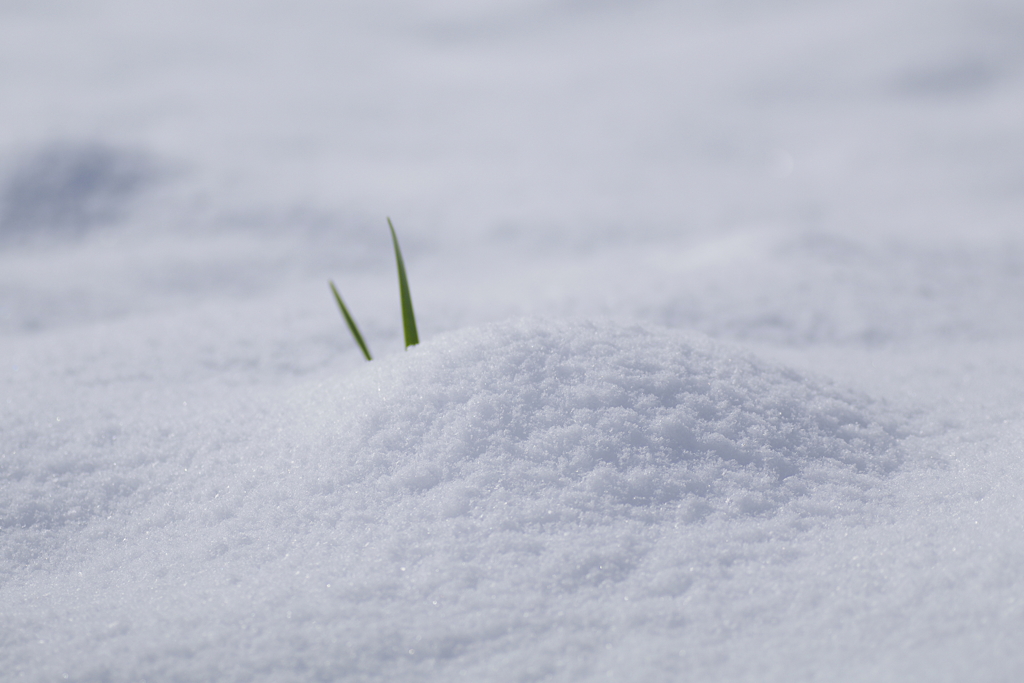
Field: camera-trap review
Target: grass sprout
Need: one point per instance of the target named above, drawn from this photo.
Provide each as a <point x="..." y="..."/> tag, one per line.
<point x="353" y="328"/>
<point x="408" y="317"/>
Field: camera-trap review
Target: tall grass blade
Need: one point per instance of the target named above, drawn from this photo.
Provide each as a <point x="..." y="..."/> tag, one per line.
<point x="408" y="318"/>
<point x="351" y="323"/>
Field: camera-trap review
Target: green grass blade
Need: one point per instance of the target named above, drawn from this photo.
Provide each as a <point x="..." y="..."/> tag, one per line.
<point x="408" y="318"/>
<point x="351" y="323"/>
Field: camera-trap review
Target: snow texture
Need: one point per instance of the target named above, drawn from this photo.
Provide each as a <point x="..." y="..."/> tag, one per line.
<point x="722" y="309"/>
<point x="546" y="474"/>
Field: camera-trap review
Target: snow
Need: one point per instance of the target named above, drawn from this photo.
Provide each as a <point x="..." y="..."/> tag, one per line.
<point x="721" y="309"/>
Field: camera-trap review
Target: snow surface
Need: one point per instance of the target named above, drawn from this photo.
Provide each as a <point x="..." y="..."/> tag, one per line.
<point x="723" y="318"/>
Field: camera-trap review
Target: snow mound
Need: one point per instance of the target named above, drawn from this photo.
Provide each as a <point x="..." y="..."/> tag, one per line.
<point x="600" y="414"/>
<point x="528" y="500"/>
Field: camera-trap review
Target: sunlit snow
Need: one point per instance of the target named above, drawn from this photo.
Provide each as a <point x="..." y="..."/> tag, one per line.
<point x="722" y="319"/>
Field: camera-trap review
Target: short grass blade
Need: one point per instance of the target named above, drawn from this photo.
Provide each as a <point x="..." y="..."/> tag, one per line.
<point x="351" y="323"/>
<point x="408" y="318"/>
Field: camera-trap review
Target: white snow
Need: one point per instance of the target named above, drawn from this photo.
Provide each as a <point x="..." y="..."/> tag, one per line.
<point x="722" y="309"/>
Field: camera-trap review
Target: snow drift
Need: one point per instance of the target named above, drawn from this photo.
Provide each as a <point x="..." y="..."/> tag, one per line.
<point x="498" y="503"/>
<point x="591" y="415"/>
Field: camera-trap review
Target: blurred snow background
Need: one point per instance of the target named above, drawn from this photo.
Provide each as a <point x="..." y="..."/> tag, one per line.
<point x="834" y="187"/>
